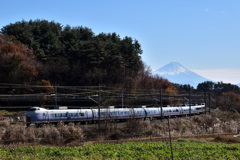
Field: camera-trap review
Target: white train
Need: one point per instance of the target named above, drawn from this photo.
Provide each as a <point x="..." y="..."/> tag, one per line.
<point x="38" y="115"/>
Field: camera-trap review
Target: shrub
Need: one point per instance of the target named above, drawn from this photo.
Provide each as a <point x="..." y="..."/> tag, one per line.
<point x="70" y="132"/>
<point x="48" y="135"/>
<point x="14" y="134"/>
<point x="30" y="134"/>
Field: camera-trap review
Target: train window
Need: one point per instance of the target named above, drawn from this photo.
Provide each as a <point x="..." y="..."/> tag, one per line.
<point x="81" y="114"/>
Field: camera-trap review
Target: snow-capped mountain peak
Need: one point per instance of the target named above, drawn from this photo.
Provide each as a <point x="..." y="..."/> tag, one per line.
<point x="172" y="68"/>
<point x="177" y="73"/>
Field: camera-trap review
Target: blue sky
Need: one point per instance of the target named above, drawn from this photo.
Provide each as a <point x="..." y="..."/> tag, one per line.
<point x="202" y="35"/>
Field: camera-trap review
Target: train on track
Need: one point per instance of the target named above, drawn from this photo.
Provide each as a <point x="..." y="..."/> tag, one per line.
<point x="38" y="115"/>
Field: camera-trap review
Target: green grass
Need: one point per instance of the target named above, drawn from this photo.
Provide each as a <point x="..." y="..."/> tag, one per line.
<point x="132" y="150"/>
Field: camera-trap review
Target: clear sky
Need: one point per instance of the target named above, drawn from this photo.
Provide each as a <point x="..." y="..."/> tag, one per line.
<point x="202" y="35"/>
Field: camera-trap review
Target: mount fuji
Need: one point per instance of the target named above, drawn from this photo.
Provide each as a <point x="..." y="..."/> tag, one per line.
<point x="177" y="73"/>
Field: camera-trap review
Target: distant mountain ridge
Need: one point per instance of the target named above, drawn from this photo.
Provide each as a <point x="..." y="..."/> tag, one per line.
<point x="177" y="73"/>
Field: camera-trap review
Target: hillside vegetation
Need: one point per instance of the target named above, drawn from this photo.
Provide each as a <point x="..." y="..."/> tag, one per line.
<point x="37" y="52"/>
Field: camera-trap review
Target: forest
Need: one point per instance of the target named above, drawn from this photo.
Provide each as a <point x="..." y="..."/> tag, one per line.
<point x="39" y="52"/>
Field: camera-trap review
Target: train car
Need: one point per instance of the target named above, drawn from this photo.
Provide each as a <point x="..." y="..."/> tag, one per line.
<point x="70" y="115"/>
<point x="119" y="113"/>
<point x="152" y="113"/>
<point x="39" y="115"/>
<point x="35" y="115"/>
<point x="139" y="113"/>
<point x="171" y="111"/>
<point x="195" y="109"/>
<point x="185" y="110"/>
<point x="200" y="108"/>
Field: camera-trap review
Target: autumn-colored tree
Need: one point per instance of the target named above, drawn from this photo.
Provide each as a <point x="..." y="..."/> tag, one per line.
<point x="229" y="101"/>
<point x="44" y="87"/>
<point x="17" y="64"/>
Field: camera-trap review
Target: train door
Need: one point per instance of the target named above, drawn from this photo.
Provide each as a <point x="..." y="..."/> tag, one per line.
<point x="68" y="115"/>
<point x="28" y="118"/>
<point x="86" y="114"/>
<point x="95" y="113"/>
<point x="45" y="116"/>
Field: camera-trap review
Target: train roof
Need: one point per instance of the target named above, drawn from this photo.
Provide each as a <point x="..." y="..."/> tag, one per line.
<point x="36" y="109"/>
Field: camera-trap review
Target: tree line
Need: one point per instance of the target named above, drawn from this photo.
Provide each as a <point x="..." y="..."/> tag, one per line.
<point x="225" y="96"/>
<point x="43" y="52"/>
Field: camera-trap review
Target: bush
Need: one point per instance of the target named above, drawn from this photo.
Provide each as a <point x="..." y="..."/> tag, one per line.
<point x="70" y="132"/>
<point x="48" y="135"/>
<point x="14" y="134"/>
<point x="30" y="134"/>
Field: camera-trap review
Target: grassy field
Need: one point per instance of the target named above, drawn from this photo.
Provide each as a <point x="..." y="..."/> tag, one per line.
<point x="133" y="150"/>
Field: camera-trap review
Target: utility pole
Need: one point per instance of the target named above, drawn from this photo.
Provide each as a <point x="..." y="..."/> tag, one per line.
<point x="99" y="101"/>
<point x="205" y="101"/>
<point x="161" y="104"/>
<point x="123" y="97"/>
<point x="170" y="139"/>
<point x="190" y="102"/>
<point x="209" y="97"/>
<point x="55" y="90"/>
<point x="155" y="98"/>
<point x="174" y="104"/>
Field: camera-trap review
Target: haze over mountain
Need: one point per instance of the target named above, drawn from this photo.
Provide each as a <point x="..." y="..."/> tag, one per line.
<point x="177" y="73"/>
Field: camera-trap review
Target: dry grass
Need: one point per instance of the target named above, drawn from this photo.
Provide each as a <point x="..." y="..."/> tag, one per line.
<point x="226" y="139"/>
<point x="4" y="122"/>
<point x="14" y="134"/>
<point x="48" y="134"/>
